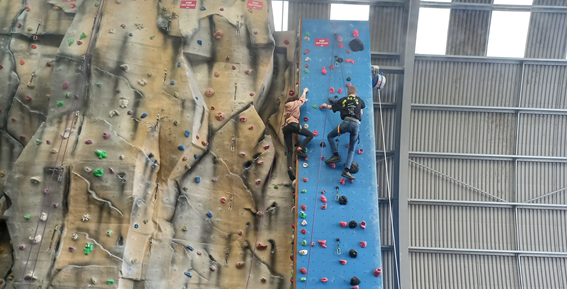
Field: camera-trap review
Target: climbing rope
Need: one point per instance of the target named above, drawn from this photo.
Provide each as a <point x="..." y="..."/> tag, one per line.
<point x="79" y="89"/>
<point x="391" y="215"/>
<point x="320" y="163"/>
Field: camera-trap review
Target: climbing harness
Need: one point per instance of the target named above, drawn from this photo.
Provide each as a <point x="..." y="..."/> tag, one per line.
<point x="337" y="196"/>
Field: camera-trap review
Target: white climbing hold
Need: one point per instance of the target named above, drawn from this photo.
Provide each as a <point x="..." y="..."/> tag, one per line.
<point x="88" y="170"/>
<point x="125" y="67"/>
<point x="305" y="125"/>
<point x="86" y="217"/>
<point x="111" y="31"/>
<point x="305" y="165"/>
<point x="113" y="112"/>
<point x="306" y="38"/>
<point x="75" y="236"/>
<point x="43" y="216"/>
<point x="303" y="252"/>
<point x="53" y="151"/>
<point x="142" y="82"/>
<point x="30" y="276"/>
<point x="35" y="240"/>
<point x="93" y="279"/>
<point x="304" y="223"/>
<point x="121" y="157"/>
<point x="123" y="102"/>
<point x="307" y="58"/>
<point x="35" y="180"/>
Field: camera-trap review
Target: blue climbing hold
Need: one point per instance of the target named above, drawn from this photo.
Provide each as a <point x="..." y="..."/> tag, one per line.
<point x="187" y="133"/>
<point x="188" y="274"/>
<point x="197" y="179"/>
<point x="203" y="8"/>
<point x="196" y="98"/>
<point x="209" y="214"/>
<point x="179" y="64"/>
<point x="200" y="42"/>
<point x="144" y="115"/>
<point x="172" y="82"/>
<point x="136" y="226"/>
<point x="195" y="156"/>
<point x="131" y="34"/>
<point x="190" y="248"/>
<point x="181" y="148"/>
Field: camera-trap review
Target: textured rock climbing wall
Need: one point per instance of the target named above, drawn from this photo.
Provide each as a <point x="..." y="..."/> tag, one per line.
<point x="338" y="242"/>
<point x="141" y="146"/>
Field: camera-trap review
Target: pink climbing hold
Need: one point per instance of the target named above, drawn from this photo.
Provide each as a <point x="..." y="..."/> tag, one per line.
<point x="331" y="67"/>
<point x="240" y="232"/>
<point x="304" y="180"/>
<point x="304" y="207"/>
<point x="355" y="33"/>
<point x="233" y="67"/>
<point x="347" y="51"/>
<point x="341" y="45"/>
<point x="251" y="93"/>
<point x="351" y="181"/>
<point x="343" y="262"/>
<point x="315" y="133"/>
<point x="363" y="224"/>
<point x="258" y="181"/>
<point x="227" y="58"/>
<point x="333" y="165"/>
<point x="251" y="127"/>
<point x="324" y="207"/>
<point x="71" y="249"/>
<point x="340" y="90"/>
<point x="349" y="61"/>
<point x="343" y="224"/>
<point x="28" y="98"/>
<point x="248" y="71"/>
<point x="286" y="42"/>
<point x="332" y="90"/>
<point x="303" y="271"/>
<point x="362" y="244"/>
<point x="65" y="84"/>
<point x="339" y="39"/>
<point x="323" y="243"/>
<point x="105" y="135"/>
<point x="323" y="70"/>
<point x="355" y="287"/>
<point x="342" y="181"/>
<point x="377" y="272"/>
<point x="360" y="151"/>
<point x="197" y="136"/>
<point x="243" y="119"/>
<point x="324" y="279"/>
<point x="322" y="158"/>
<point x="266" y="147"/>
<point x="306" y="51"/>
<point x="260" y="162"/>
<point x="212" y="268"/>
<point x="212" y="107"/>
<point x="323" y="199"/>
<point x="184" y="158"/>
<point x="306" y="65"/>
<point x="323" y="191"/>
<point x="348" y="84"/>
<point x="312" y="244"/>
<point x="303" y="231"/>
<point x="22" y="247"/>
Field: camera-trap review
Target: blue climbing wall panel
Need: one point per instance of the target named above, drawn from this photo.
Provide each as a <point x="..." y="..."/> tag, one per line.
<point x="362" y="193"/>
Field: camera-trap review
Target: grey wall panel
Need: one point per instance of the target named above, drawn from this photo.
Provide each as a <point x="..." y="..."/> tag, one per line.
<point x="468" y="32"/>
<point x="544" y="183"/>
<point x="462" y="132"/>
<point x="472" y="180"/>
<point x="446" y="271"/>
<point x="381" y="175"/>
<point x="466" y="83"/>
<point x="544" y="273"/>
<point x="386" y="238"/>
<point x="547" y="36"/>
<point x="542" y="135"/>
<point x="389" y="121"/>
<point x="299" y="10"/>
<point x="388" y="268"/>
<point x="462" y="227"/>
<point x="550" y="3"/>
<point x="545" y="86"/>
<point x="542" y="230"/>
<point x="387" y="28"/>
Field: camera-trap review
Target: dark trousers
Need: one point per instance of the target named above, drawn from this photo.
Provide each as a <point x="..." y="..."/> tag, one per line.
<point x="288" y="132"/>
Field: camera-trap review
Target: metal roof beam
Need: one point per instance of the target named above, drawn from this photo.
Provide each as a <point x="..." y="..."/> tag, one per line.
<point x="490" y="59"/>
<point x="494" y="7"/>
<point x="498" y="109"/>
<point x="507" y="205"/>
<point x="444" y="155"/>
<point x="487" y="252"/>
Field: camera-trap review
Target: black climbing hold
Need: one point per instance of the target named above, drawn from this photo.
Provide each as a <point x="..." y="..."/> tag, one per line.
<point x="343" y="200"/>
<point x="340" y="60"/>
<point x="348" y="78"/>
<point x="354" y="168"/>
<point x="352" y="224"/>
<point x="354" y="281"/>
<point x="353" y="254"/>
<point x="356" y="45"/>
<point x="150" y="155"/>
<point x="247" y="164"/>
<point x="323" y="144"/>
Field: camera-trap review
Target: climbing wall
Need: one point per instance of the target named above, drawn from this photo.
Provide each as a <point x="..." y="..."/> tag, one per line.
<point x="320" y="234"/>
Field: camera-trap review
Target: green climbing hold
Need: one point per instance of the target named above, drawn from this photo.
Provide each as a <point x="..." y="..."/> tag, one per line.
<point x="96" y="4"/>
<point x="98" y="172"/>
<point x="60" y="103"/>
<point x="307" y="33"/>
<point x="99" y="84"/>
<point x="38" y="141"/>
<point x="67" y="95"/>
<point x="276" y="187"/>
<point x="302" y="214"/>
<point x="83" y="35"/>
<point x="110" y="282"/>
<point x="305" y="70"/>
<point x="100" y="154"/>
<point x="109" y="233"/>
<point x="71" y="41"/>
<point x="304" y="243"/>
<point x="314" y="106"/>
<point x="152" y="37"/>
<point x="304" y="191"/>
<point x="88" y="248"/>
<point x="303" y="279"/>
<point x="27" y="217"/>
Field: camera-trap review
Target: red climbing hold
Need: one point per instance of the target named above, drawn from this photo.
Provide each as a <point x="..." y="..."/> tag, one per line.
<point x="266" y="147"/>
<point x="323" y="70"/>
<point x="19" y="25"/>
<point x="360" y="151"/>
<point x="306" y="65"/>
<point x="343" y="262"/>
<point x="323" y="199"/>
<point x="315" y="133"/>
<point x="305" y="119"/>
<point x="305" y="180"/>
<point x="339" y="39"/>
<point x="333" y="165"/>
<point x="362" y="244"/>
<point x="355" y="33"/>
<point x="221" y="9"/>
<point x="340" y="90"/>
<point x="28" y="98"/>
<point x="306" y="51"/>
<point x="243" y="119"/>
<point x="349" y="60"/>
<point x="363" y="224"/>
<point x="322" y="158"/>
<point x="239" y="232"/>
<point x="212" y="107"/>
<point x="72" y="5"/>
<point x="304" y="207"/>
<point x="251" y="127"/>
<point x="260" y="162"/>
<point x="323" y="191"/>
<point x="324" y="207"/>
<point x="342" y="181"/>
<point x="22" y="62"/>
<point x="343" y="224"/>
<point x="233" y="67"/>
<point x="331" y="67"/>
<point x="341" y="45"/>
<point x="303" y="270"/>
<point x="332" y="90"/>
<point x="27" y="8"/>
<point x="22" y="137"/>
<point x="303" y="231"/>
<point x="251" y="93"/>
<point x="227" y="58"/>
<point x="377" y="272"/>
<point x="1" y="66"/>
<point x="197" y="136"/>
<point x="286" y="42"/>
<point x="323" y="243"/>
<point x="324" y="279"/>
<point x="291" y="93"/>
<point x="33" y="46"/>
<point x="312" y="244"/>
<point x="258" y="181"/>
<point x="204" y="143"/>
<point x="291" y="257"/>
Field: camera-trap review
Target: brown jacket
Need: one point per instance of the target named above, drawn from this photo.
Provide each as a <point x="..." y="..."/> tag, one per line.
<point x="291" y="110"/>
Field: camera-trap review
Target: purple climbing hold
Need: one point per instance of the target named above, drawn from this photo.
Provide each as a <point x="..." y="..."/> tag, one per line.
<point x="118" y="90"/>
<point x="89" y="142"/>
<point x="111" y="170"/>
<point x="65" y="84"/>
<point x="105" y="135"/>
<point x="129" y="113"/>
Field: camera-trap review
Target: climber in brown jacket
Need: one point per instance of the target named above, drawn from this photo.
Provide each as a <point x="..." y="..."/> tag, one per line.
<point x="291" y="125"/>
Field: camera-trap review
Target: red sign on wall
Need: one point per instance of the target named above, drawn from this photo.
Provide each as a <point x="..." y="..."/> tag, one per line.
<point x="188" y="4"/>
<point x="322" y="42"/>
<point x="255" y="4"/>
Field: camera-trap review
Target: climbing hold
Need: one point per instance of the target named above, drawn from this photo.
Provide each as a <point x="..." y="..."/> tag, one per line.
<point x="66" y="85"/>
<point x="342" y="181"/>
<point x="304" y="243"/>
<point x="340" y="90"/>
<point x="243" y="119"/>
<point x="307" y="33"/>
<point x="209" y="214"/>
<point x="343" y="262"/>
<point x="216" y="74"/>
<point x="22" y="247"/>
<point x="360" y="151"/>
<point x="304" y="223"/>
<point x="71" y="41"/>
<point x="75" y="236"/>
<point x="111" y="170"/>
<point x="303" y="279"/>
<point x="356" y="45"/>
<point x="88" y="248"/>
<point x="324" y="207"/>
<point x="266" y="147"/>
<point x="341" y="45"/>
<point x="184" y="228"/>
<point x="22" y="62"/>
<point x="258" y="181"/>
<point x="347" y="51"/>
<point x="323" y="243"/>
<point x="239" y="232"/>
<point x="218" y="34"/>
<point x="83" y="35"/>
<point x="239" y="265"/>
<point x="303" y="252"/>
<point x="100" y="154"/>
<point x="28" y="98"/>
<point x="353" y="254"/>
<point x="306" y="71"/>
<point x="188" y="274"/>
<point x="197" y="179"/>
<point x="109" y="233"/>
<point x="261" y="246"/>
<point x="304" y="207"/>
<point x="352" y="224"/>
<point x="251" y="93"/>
<point x="223" y="200"/>
<point x="303" y="191"/>
<point x="105" y="135"/>
<point x="203" y="8"/>
<point x="306" y="51"/>
<point x="362" y="244"/>
<point x="27" y="217"/>
<point x="363" y="224"/>
<point x="86" y="217"/>
<point x="304" y="180"/>
<point x="109" y="282"/>
<point x="303" y="231"/>
<point x="98" y="172"/>
<point x="172" y="82"/>
<point x="199" y="42"/>
<point x="377" y="272"/>
<point x="187" y="133"/>
<point x="331" y="67"/>
<point x="143" y="115"/>
<point x="195" y="156"/>
<point x="343" y="201"/>
<point x="33" y="46"/>
<point x="19" y="25"/>
<point x="152" y="37"/>
<point x="233" y="67"/>
<point x="323" y="199"/>
<point x="303" y="271"/>
<point x="354" y="281"/>
<point x="71" y="249"/>
<point x="343" y="224"/>
<point x="60" y="103"/>
<point x="349" y="61"/>
<point x="136" y="226"/>
<point x="355" y="34"/>
<point x="302" y="215"/>
<point x="248" y="71"/>
<point x="324" y="279"/>
<point x="323" y="70"/>
<point x="209" y="92"/>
